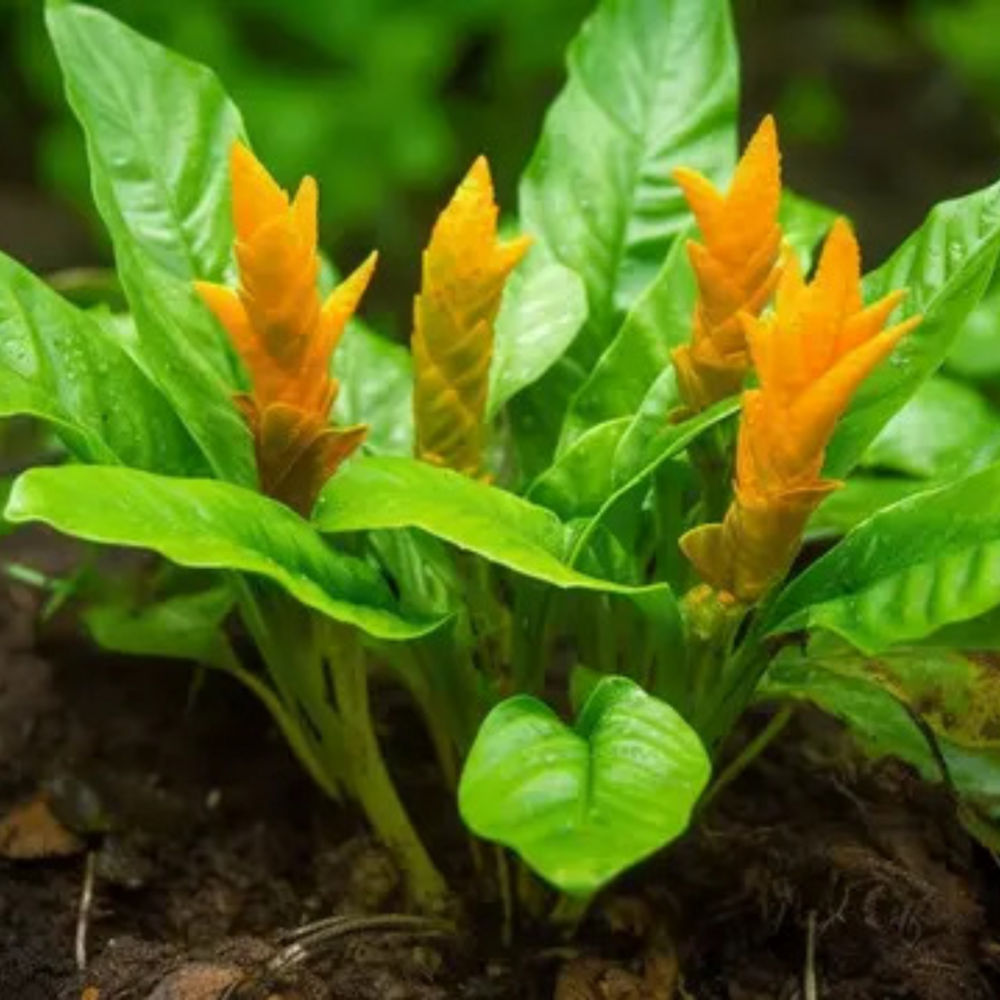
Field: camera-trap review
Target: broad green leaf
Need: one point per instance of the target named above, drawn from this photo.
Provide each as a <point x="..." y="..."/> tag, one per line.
<point x="610" y="460"/>
<point x="979" y="634"/>
<point x="544" y="305"/>
<point x="652" y="85"/>
<point x="582" y="479"/>
<point x="65" y="367"/>
<point x="182" y="626"/>
<point x="201" y="400"/>
<point x="946" y="266"/>
<point x="376" y="494"/>
<point x="158" y="130"/>
<point x="211" y="525"/>
<point x="857" y="500"/>
<point x="536" y="417"/>
<point x="975" y="352"/>
<point x="392" y="493"/>
<point x="926" y="562"/>
<point x="653" y="437"/>
<point x="946" y="429"/>
<point x="582" y="804"/>
<point x="875" y="713"/>
<point x="659" y="321"/>
<point x="376" y="388"/>
<point x="376" y="380"/>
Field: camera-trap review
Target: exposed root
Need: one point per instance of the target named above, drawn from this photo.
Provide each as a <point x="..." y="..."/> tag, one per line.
<point x="308" y="942"/>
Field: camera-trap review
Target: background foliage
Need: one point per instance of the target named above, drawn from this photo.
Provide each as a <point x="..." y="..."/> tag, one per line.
<point x="387" y="101"/>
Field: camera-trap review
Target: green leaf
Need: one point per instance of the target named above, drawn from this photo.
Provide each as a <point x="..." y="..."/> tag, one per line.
<point x="211" y="525"/>
<point x="911" y="569"/>
<point x="164" y="350"/>
<point x="158" y="130"/>
<point x="579" y="483"/>
<point x="544" y="305"/>
<point x="611" y="459"/>
<point x="182" y="626"/>
<point x="536" y="417"/>
<point x="652" y="85"/>
<point x="946" y="429"/>
<point x="979" y="634"/>
<point x="582" y="804"/>
<point x="946" y="265"/>
<point x="375" y="494"/>
<point x="857" y="500"/>
<point x="67" y="368"/>
<point x="975" y="352"/>
<point x="376" y="388"/>
<point x="393" y="493"/>
<point x="659" y="321"/>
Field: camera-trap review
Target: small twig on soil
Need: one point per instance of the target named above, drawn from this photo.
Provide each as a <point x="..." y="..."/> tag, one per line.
<point x="809" y="976"/>
<point x="306" y="942"/>
<point x="83" y="912"/>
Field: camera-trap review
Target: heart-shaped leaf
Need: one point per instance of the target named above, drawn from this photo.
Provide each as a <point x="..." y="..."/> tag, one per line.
<point x="581" y="804"/>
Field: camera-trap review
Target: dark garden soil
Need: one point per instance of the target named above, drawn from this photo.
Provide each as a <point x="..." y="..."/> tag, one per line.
<point x="208" y="843"/>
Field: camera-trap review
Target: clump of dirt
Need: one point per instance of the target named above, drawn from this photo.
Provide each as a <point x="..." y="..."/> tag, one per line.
<point x="901" y="902"/>
<point x="212" y="844"/>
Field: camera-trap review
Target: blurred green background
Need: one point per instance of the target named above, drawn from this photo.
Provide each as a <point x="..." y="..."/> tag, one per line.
<point x="885" y="106"/>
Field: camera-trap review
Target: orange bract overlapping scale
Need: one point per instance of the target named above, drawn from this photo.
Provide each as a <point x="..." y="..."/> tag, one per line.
<point x="736" y="267"/>
<point x="464" y="271"/>
<point x="284" y="334"/>
<point x="811" y="354"/>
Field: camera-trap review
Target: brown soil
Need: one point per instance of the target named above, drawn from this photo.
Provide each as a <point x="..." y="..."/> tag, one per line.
<point x="209" y="843"/>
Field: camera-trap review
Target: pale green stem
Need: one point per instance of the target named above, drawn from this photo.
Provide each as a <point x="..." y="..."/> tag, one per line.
<point x="371" y="783"/>
<point x="506" y="896"/>
<point x="748" y="754"/>
<point x="569" y="912"/>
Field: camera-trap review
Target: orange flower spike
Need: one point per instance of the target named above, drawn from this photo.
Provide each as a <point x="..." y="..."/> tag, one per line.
<point x="736" y="268"/>
<point x="464" y="271"/>
<point x="811" y="356"/>
<point x="283" y="333"/>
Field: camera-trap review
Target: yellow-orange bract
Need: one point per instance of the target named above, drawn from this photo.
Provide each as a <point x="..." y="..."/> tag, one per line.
<point x="810" y="355"/>
<point x="284" y="334"/>
<point x="736" y="267"/>
<point x="464" y="270"/>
